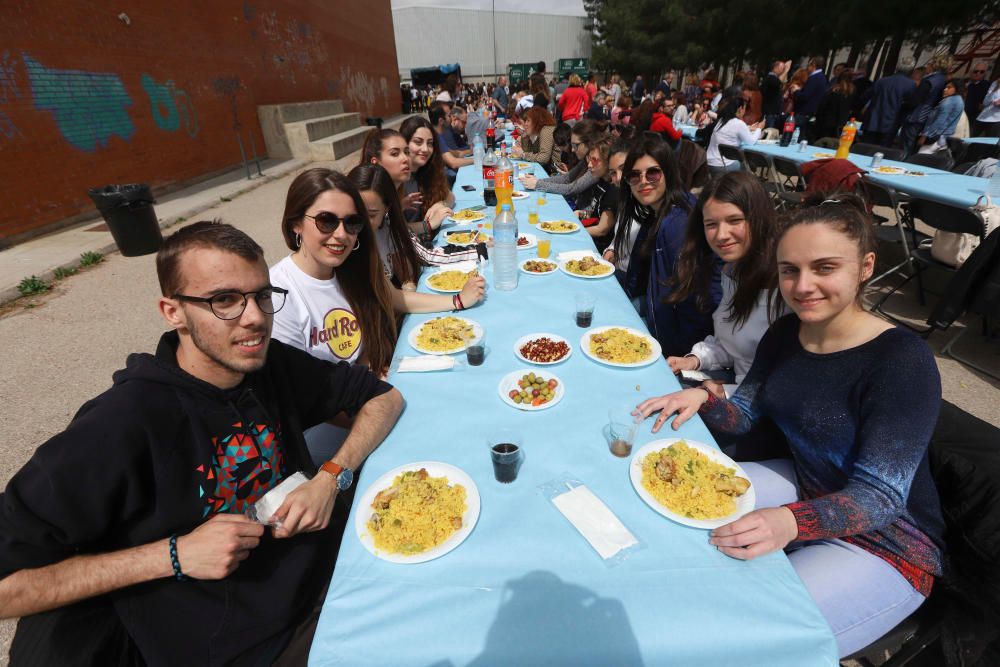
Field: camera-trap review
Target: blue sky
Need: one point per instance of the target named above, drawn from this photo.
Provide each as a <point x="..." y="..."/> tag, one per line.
<point x="559" y="7"/>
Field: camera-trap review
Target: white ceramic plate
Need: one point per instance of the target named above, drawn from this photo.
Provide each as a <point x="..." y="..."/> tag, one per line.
<point x="438" y="289"/>
<point x="462" y="221"/>
<point x="768" y="142"/>
<point x="517" y="194"/>
<point x="820" y="156"/>
<point x="532" y="241"/>
<point x="889" y="171"/>
<point x="655" y="353"/>
<point x="520" y="265"/>
<point x="744" y="503"/>
<point x="555" y="338"/>
<point x="434" y="469"/>
<point x="603" y="262"/>
<point x="509" y="382"/>
<point x="477" y="335"/>
<point x="576" y="227"/>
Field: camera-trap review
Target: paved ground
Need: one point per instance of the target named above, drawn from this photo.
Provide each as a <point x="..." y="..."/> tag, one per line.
<point x="61" y="349"/>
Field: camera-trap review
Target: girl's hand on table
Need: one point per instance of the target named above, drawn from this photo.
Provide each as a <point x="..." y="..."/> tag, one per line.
<point x="688" y="363"/>
<point x="437" y="214"/>
<point x="473" y="291"/>
<point x="609" y="255"/>
<point x="684" y="404"/>
<point x="757" y="533"/>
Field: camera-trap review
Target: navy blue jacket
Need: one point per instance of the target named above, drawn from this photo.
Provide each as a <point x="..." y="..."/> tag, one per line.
<point x="888" y="95"/>
<point x="807" y="99"/>
<point x="676" y="326"/>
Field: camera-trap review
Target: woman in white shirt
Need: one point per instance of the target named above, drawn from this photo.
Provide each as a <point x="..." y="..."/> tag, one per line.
<point x="988" y="120"/>
<point x="730" y="130"/>
<point x="734" y="219"/>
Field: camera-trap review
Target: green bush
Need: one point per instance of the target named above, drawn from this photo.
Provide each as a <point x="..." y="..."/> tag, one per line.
<point x="33" y="285"/>
<point x="90" y="258"/>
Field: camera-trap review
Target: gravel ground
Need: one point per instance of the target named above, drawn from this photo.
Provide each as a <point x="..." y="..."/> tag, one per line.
<point x="62" y="351"/>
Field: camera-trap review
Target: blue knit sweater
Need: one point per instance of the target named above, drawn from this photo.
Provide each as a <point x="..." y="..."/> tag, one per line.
<point x="858" y="423"/>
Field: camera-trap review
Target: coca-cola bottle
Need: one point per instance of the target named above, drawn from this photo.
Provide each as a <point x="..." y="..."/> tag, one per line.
<point x="491" y="138"/>
<point x="489" y="176"/>
<point x="787" y="130"/>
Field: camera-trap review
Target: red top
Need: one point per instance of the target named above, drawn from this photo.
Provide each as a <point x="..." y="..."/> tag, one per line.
<point x="662" y="123"/>
<point x="572" y="103"/>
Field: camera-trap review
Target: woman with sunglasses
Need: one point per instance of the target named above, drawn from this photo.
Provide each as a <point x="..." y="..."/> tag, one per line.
<point x="427" y="173"/>
<point x="578" y="179"/>
<point x="652" y="175"/>
<point x="599" y="204"/>
<point x="855" y="508"/>
<point x="733" y="223"/>
<point x="340" y="307"/>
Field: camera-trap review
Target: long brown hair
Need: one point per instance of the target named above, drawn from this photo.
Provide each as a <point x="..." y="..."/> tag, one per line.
<point x="430" y="178"/>
<point x="752" y="273"/>
<point x="360" y="276"/>
<point x="376" y="179"/>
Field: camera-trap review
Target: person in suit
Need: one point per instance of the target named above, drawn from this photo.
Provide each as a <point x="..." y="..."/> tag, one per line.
<point x="888" y="95"/>
<point x="807" y="98"/>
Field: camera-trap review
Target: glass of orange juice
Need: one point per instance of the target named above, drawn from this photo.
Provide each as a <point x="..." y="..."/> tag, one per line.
<point x="541" y="199"/>
<point x="533" y="213"/>
<point x="544" y="248"/>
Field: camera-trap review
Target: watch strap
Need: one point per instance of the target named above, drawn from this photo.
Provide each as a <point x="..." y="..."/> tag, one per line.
<point x="332" y="468"/>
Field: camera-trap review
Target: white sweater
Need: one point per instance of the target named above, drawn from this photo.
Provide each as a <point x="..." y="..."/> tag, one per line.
<point x="734" y="133"/>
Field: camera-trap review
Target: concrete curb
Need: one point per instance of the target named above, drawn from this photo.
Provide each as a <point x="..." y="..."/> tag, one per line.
<point x="11" y="293"/>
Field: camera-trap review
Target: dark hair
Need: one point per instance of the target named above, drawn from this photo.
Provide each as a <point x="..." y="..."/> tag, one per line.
<point x="663" y="155"/>
<point x="728" y="111"/>
<point x="590" y="131"/>
<point x="819" y="62"/>
<point x="204" y="234"/>
<point x="626" y="204"/>
<point x="844" y="85"/>
<point x="376" y="179"/>
<point x="643" y="117"/>
<point x="844" y="211"/>
<point x="752" y="273"/>
<point x="437" y="114"/>
<point x="959" y="86"/>
<point x="360" y="276"/>
<point x="561" y="135"/>
<point x="374" y="143"/>
<point x="431" y="177"/>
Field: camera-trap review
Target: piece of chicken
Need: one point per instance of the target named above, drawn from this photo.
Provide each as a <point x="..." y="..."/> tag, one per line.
<point x="731" y="486"/>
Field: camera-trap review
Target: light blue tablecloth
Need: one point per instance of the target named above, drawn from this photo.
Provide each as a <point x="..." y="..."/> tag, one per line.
<point x="942" y="186"/>
<point x="688" y="130"/>
<point x="981" y="140"/>
<point x="525" y="588"/>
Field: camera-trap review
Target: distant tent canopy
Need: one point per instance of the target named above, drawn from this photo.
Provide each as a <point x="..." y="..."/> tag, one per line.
<point x="433" y="76"/>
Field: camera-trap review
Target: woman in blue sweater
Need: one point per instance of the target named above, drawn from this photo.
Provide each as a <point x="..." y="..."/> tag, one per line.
<point x="653" y="177"/>
<point x="857" y="399"/>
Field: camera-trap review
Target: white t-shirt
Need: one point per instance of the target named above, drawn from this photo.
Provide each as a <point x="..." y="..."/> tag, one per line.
<point x="316" y="316"/>
<point x="733" y="133"/>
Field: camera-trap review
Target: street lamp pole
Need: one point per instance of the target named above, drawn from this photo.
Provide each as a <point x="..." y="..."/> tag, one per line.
<point x="494" y="14"/>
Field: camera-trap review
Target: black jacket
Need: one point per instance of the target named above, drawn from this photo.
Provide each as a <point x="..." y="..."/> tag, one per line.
<point x="158" y="454"/>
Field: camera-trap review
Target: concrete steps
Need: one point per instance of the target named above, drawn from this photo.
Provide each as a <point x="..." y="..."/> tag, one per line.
<point x="291" y="129"/>
<point x="338" y="145"/>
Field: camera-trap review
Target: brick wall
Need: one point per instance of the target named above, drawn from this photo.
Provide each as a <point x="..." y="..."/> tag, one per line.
<point x="94" y="92"/>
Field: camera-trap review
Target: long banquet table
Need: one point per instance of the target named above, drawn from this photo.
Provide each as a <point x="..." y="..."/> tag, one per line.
<point x="935" y="184"/>
<point x="525" y="588"/>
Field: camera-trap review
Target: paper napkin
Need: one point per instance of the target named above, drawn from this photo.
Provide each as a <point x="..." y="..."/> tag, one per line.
<point x="426" y="362"/>
<point x="595" y="521"/>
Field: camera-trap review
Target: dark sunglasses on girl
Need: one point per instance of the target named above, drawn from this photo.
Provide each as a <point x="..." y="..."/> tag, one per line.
<point x="653" y="176"/>
<point x="327" y="222"/>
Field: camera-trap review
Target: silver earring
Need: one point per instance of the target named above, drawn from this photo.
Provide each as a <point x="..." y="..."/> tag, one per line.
<point x="298" y="240"/>
<point x="357" y="244"/>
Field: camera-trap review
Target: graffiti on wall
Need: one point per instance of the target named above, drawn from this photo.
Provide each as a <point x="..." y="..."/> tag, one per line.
<point x="89" y="107"/>
<point x="361" y="89"/>
<point x="9" y="92"/>
<point x="171" y="107"/>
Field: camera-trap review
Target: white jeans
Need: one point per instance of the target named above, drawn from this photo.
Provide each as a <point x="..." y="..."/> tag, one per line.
<point x="860" y="595"/>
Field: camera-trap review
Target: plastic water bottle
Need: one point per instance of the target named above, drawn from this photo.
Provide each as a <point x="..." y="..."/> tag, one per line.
<point x="478" y="153"/>
<point x="795" y="136"/>
<point x="504" y="258"/>
<point x="993" y="189"/>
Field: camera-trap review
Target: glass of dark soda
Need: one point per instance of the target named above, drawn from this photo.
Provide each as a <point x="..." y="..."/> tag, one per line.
<point x="584" y="310"/>
<point x="505" y="451"/>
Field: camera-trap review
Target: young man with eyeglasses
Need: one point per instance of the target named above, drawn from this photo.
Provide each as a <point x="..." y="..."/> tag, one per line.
<point x="124" y="539"/>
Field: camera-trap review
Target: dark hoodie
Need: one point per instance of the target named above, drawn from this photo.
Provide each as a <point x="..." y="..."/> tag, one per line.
<point x="159" y="453"/>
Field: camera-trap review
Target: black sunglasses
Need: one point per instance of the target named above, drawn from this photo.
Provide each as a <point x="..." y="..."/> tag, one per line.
<point x="327" y="222"/>
<point x="653" y="176"/>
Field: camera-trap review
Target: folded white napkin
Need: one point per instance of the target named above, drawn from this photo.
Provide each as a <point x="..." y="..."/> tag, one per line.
<point x="469" y="265"/>
<point x="595" y="521"/>
<point x="427" y="362"/>
<point x="272" y="500"/>
<point x="575" y="254"/>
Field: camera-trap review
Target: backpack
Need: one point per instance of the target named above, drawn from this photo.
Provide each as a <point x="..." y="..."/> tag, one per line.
<point x="831" y="175"/>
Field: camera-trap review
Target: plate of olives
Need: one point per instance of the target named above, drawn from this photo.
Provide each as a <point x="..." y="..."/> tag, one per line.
<point x="531" y="391"/>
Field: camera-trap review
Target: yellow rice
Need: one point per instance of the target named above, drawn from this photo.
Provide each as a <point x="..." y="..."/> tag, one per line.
<point x="598" y="269"/>
<point x="423" y="512"/>
<point x="450" y="280"/>
<point x="695" y="495"/>
<point x="558" y="226"/>
<point x="444" y="334"/>
<point x="620" y="346"/>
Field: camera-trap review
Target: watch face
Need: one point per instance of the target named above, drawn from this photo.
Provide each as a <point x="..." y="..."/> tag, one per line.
<point x="345" y="479"/>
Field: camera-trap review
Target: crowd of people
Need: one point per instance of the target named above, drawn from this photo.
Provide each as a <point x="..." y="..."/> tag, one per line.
<point x="132" y="523"/>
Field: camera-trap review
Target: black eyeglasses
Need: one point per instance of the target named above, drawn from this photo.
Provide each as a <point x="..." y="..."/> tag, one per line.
<point x="653" y="176"/>
<point x="979" y="71"/>
<point x="230" y="305"/>
<point x="327" y="222"/>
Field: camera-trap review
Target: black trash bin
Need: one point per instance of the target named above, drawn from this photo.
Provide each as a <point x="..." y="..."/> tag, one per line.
<point x="128" y="210"/>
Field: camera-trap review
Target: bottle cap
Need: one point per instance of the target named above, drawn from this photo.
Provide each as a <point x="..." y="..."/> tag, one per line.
<point x="505" y="207"/>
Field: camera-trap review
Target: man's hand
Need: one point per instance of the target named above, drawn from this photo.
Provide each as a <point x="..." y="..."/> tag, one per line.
<point x="215" y="549"/>
<point x="757" y="533"/>
<point x="529" y="182"/>
<point x="307" y="508"/>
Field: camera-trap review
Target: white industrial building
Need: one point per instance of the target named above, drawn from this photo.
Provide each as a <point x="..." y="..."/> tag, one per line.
<point x="427" y="36"/>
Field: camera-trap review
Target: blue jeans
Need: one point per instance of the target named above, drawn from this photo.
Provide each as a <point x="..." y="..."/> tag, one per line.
<point x="860" y="595"/>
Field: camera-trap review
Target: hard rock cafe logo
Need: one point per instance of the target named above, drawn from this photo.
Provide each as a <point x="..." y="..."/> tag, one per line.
<point x="341" y="332"/>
